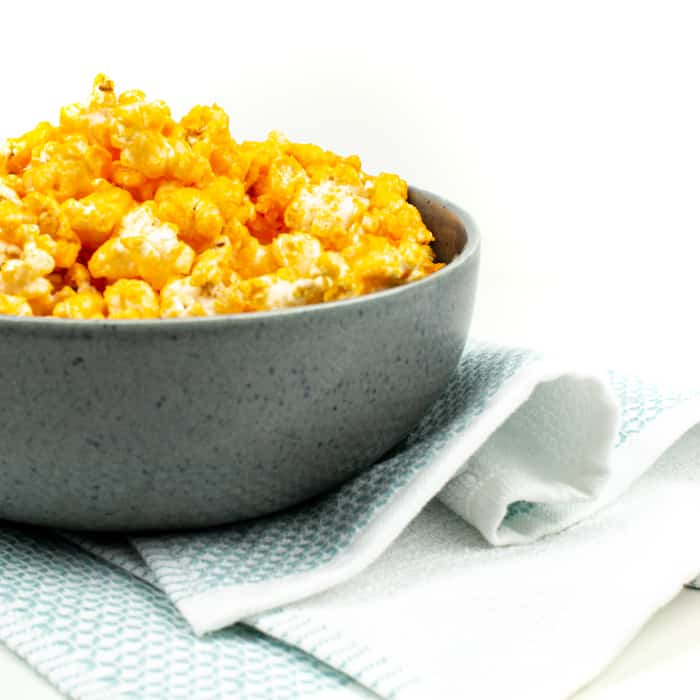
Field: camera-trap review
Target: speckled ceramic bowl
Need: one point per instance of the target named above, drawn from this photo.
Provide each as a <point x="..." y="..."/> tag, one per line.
<point x="123" y="425"/>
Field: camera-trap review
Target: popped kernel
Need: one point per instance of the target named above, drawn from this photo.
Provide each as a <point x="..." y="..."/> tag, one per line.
<point x="145" y="248"/>
<point x="298" y="251"/>
<point x="197" y="218"/>
<point x="328" y="211"/>
<point x="9" y="194"/>
<point x="206" y="130"/>
<point x="82" y="305"/>
<point x="212" y="287"/>
<point x="274" y="291"/>
<point x="17" y="224"/>
<point x="26" y="276"/>
<point x="9" y="251"/>
<point x="180" y="298"/>
<point x="66" y="168"/>
<point x="131" y="299"/>
<point x="14" y="306"/>
<point x="123" y="212"/>
<point x="52" y="221"/>
<point x="78" y="278"/>
<point x="94" y="218"/>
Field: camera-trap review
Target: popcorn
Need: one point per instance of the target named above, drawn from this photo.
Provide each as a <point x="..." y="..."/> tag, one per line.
<point x="17" y="224"/>
<point x="65" y="168"/>
<point x="53" y="222"/>
<point x="95" y="218"/>
<point x="19" y="150"/>
<point x="212" y="288"/>
<point x="275" y="292"/>
<point x="329" y="211"/>
<point x="77" y="277"/>
<point x="8" y="251"/>
<point x="197" y="217"/>
<point x="14" y="306"/>
<point x="184" y="298"/>
<point x="206" y="130"/>
<point x="84" y="305"/>
<point x="123" y="212"/>
<point x="145" y="248"/>
<point x="131" y="299"/>
<point x="26" y="276"/>
<point x="8" y="194"/>
<point x="297" y="251"/>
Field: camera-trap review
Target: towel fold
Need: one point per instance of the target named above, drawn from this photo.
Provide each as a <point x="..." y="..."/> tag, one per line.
<point x="391" y="585"/>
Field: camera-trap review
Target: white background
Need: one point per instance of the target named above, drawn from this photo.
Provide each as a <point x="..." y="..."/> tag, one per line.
<point x="570" y="131"/>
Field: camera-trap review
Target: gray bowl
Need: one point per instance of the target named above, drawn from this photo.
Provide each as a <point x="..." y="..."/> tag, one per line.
<point x="133" y="425"/>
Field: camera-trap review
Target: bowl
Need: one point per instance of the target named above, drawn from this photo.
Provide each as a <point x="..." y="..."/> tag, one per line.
<point x="183" y="423"/>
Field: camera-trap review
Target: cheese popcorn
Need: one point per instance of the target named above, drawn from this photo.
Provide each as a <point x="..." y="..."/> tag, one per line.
<point x="14" y="306"/>
<point x="123" y="212"/>
<point x="131" y="299"/>
<point x="144" y="247"/>
<point x="83" y="305"/>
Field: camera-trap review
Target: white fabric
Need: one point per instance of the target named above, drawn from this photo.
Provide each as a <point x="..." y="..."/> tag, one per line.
<point x="532" y="622"/>
<point x="546" y="436"/>
<point x="420" y="604"/>
<point x="554" y="448"/>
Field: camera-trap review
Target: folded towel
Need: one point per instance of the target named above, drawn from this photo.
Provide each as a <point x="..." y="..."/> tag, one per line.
<point x="519" y="446"/>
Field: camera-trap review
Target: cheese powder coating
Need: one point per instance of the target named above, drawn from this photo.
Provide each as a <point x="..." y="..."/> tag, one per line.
<point x="122" y="212"/>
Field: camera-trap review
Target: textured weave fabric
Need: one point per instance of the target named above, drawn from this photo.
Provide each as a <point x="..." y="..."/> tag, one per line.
<point x="303" y="539"/>
<point x="220" y="576"/>
<point x="519" y="446"/>
<point x="97" y="632"/>
<point x="533" y="622"/>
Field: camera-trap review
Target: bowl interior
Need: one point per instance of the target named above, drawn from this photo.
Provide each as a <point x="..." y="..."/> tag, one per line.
<point x="450" y="233"/>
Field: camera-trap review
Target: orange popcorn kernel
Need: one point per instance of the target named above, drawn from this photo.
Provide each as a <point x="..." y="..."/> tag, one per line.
<point x="123" y="212"/>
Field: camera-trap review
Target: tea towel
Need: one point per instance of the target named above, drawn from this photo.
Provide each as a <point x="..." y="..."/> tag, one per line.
<point x="361" y="593"/>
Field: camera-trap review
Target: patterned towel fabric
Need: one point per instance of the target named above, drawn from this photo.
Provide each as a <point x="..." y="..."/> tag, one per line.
<point x="519" y="446"/>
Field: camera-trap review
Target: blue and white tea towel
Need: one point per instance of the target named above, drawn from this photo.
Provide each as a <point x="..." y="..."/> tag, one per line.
<point x="519" y="446"/>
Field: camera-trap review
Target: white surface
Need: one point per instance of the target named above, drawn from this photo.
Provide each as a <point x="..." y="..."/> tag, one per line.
<point x="569" y="131"/>
<point x="19" y="681"/>
<point x="663" y="661"/>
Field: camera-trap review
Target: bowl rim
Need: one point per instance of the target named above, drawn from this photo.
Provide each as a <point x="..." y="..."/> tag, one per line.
<point x="470" y="250"/>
